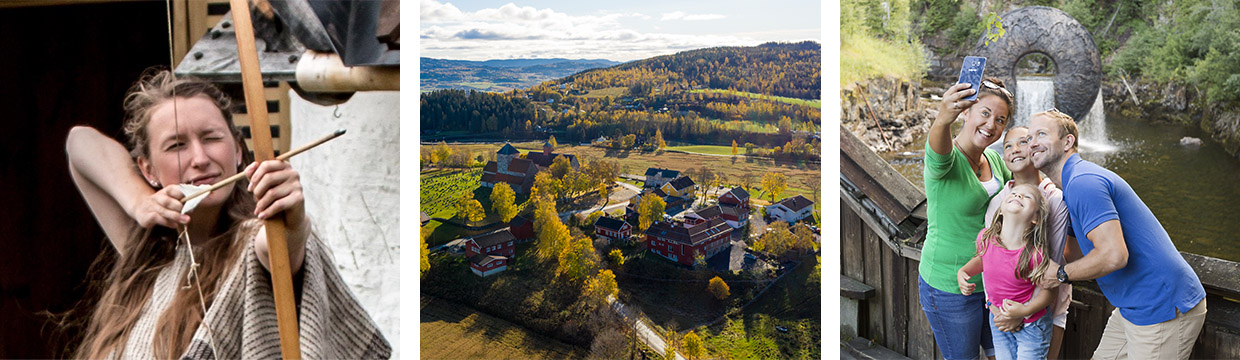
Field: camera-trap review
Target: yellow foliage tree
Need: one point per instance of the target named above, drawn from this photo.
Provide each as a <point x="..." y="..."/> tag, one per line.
<point x="426" y="253"/>
<point x="617" y="257"/>
<point x="474" y="211"/>
<point x="733" y="147"/>
<point x="577" y="259"/>
<point x="560" y="167"/>
<point x="502" y="198"/>
<point x="649" y="211"/>
<point x="694" y="347"/>
<point x="602" y="285"/>
<point x="719" y="288"/>
<point x="553" y="143"/>
<point x="658" y="138"/>
<point x="774" y="183"/>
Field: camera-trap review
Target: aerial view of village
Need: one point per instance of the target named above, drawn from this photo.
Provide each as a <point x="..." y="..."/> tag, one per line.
<point x="620" y="181"/>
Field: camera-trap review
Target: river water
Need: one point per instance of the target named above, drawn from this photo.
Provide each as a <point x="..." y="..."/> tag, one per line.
<point x="1192" y="190"/>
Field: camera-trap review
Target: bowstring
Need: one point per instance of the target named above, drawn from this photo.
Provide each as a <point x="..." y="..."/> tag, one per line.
<point x="183" y="230"/>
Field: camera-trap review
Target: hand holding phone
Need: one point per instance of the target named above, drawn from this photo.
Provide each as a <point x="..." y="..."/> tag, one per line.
<point x="971" y="73"/>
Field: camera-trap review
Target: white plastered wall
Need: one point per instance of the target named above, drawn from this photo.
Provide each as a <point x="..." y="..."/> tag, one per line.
<point x="352" y="195"/>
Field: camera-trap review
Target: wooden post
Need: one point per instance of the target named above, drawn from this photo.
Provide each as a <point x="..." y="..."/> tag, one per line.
<point x="260" y="130"/>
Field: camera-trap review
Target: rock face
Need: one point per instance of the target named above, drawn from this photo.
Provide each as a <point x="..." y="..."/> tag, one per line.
<point x="1176" y="103"/>
<point x="902" y="116"/>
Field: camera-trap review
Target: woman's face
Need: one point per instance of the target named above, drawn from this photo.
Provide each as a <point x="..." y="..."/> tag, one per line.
<point x="985" y="120"/>
<point x="194" y="147"/>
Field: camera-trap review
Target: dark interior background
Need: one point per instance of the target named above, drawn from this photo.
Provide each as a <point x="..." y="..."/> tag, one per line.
<point x="60" y="66"/>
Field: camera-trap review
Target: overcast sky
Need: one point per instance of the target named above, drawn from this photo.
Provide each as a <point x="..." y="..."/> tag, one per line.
<point x="613" y="30"/>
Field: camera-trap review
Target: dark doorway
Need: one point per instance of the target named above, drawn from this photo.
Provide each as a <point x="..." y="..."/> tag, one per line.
<point x="61" y="66"/>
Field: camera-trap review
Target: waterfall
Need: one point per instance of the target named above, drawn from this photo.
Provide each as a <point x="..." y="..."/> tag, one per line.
<point x="1035" y="94"/>
<point x="1093" y="129"/>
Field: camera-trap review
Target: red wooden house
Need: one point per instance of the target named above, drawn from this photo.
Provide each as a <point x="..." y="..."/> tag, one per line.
<point x="734" y="206"/>
<point x="521" y="228"/>
<point x="682" y="241"/>
<point x="490" y="253"/>
<point x="614" y="229"/>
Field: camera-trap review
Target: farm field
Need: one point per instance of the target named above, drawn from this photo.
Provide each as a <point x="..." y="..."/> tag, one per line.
<point x="803" y="177"/>
<point x="614" y="92"/>
<point x="454" y="331"/>
<point x="794" y="101"/>
<point x="439" y="190"/>
<point x="708" y="149"/>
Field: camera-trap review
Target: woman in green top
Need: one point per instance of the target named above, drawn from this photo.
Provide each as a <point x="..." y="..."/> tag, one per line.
<point x="961" y="176"/>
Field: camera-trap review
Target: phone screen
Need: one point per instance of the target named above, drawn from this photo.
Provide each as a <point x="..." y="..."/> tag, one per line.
<point x="971" y="73"/>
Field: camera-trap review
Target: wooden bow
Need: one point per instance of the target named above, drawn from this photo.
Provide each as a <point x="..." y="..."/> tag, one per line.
<point x="260" y="130"/>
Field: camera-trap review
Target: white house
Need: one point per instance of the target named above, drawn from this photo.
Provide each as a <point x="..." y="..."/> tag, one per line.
<point x="790" y="209"/>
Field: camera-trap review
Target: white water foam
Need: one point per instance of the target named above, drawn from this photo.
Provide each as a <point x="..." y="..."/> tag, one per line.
<point x="1035" y="94"/>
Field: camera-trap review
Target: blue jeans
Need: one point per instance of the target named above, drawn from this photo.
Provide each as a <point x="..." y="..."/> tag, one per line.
<point x="959" y="322"/>
<point x="1032" y="341"/>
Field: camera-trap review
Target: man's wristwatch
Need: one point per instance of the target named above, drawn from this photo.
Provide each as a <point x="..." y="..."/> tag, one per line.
<point x="1062" y="275"/>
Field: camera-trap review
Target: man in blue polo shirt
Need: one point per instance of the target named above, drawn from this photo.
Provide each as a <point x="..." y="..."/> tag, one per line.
<point x="1160" y="303"/>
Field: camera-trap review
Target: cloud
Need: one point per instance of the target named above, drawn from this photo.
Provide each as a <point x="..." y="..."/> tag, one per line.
<point x="681" y="15"/>
<point x="513" y="31"/>
<point x="434" y="11"/>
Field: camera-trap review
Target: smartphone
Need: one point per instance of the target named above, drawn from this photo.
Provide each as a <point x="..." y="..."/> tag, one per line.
<point x="971" y="73"/>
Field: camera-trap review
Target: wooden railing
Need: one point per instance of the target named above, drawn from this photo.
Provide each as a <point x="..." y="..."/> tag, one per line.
<point x="883" y="222"/>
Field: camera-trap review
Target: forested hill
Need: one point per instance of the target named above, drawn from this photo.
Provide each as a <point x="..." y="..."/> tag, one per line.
<point x="767" y="95"/>
<point x="780" y="69"/>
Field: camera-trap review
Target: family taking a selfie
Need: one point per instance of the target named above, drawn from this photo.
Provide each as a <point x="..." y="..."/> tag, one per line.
<point x="1008" y="233"/>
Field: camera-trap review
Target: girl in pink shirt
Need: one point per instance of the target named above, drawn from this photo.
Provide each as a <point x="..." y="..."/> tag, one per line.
<point x="1011" y="254"/>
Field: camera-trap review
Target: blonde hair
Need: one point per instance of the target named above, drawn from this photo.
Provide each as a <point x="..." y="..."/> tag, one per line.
<point x="1035" y="238"/>
<point x="130" y="281"/>
<point x="1066" y="125"/>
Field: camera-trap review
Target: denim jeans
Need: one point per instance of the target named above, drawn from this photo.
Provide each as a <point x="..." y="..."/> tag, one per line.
<point x="959" y="322"/>
<point x="1032" y="341"/>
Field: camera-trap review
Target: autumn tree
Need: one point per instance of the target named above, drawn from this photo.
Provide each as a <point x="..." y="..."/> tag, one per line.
<point x="774" y="183"/>
<point x="551" y="235"/>
<point x="602" y="286"/>
<point x="803" y="240"/>
<point x="461" y="204"/>
<point x="733" y="147"/>
<point x="577" y="259"/>
<point x="778" y="241"/>
<point x="650" y="210"/>
<point x="442" y="152"/>
<point x="560" y="167"/>
<point x="658" y="138"/>
<point x="502" y="198"/>
<point x="603" y="192"/>
<point x="545" y="186"/>
<point x="552" y="141"/>
<point x="693" y="345"/>
<point x="474" y="211"/>
<point x="616" y="257"/>
<point x="426" y="253"/>
<point x="747" y="181"/>
<point x="719" y="288"/>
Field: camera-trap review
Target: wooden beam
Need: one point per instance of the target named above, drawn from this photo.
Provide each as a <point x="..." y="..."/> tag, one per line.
<point x="893" y="185"/>
<point x="260" y="129"/>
